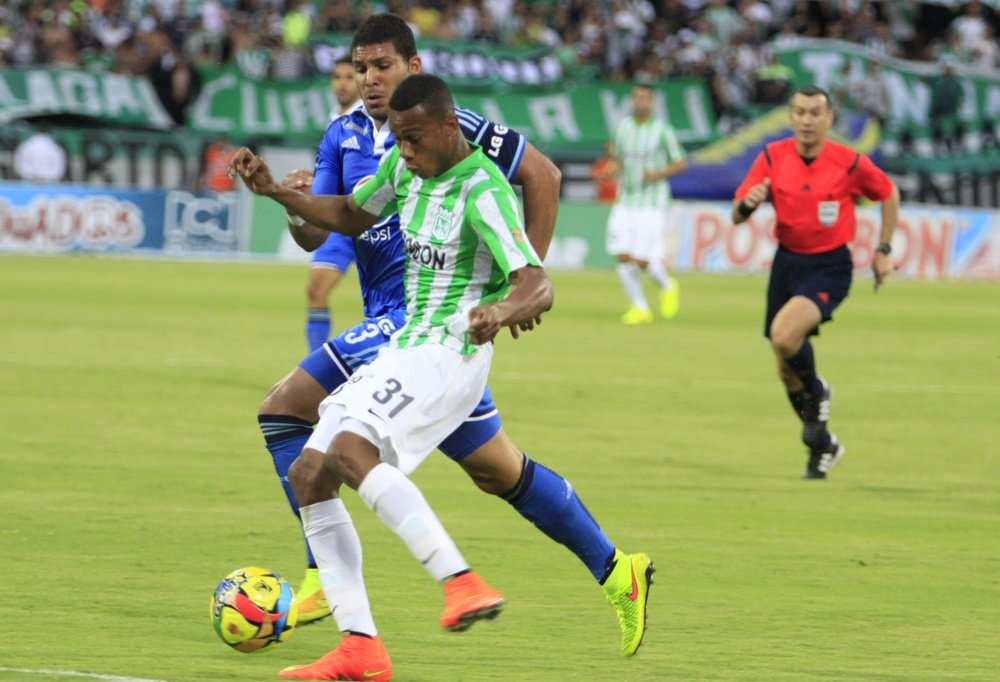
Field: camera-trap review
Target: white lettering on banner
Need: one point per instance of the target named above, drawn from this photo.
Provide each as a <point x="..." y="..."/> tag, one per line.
<point x="201" y="112"/>
<point x="823" y="66"/>
<point x="553" y="116"/>
<point x="64" y="222"/>
<point x="272" y="121"/>
<point x="42" y="94"/>
<point x="189" y="218"/>
<point x="306" y="110"/>
<point x="79" y="92"/>
<point x="908" y="104"/>
<point x="697" y="113"/>
<point x="118" y="96"/>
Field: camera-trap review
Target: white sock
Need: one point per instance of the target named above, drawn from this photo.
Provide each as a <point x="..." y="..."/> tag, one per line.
<point x="337" y="548"/>
<point x="658" y="271"/>
<point x="398" y="502"/>
<point x="628" y="273"/>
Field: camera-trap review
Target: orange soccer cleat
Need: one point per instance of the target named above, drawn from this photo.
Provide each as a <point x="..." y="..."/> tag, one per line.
<point x="467" y="598"/>
<point x="355" y="658"/>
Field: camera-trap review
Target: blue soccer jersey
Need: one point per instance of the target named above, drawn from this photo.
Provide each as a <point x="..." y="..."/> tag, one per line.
<point x="349" y="154"/>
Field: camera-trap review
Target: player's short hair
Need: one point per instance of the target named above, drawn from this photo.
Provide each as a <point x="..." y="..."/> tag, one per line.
<point x="346" y="59"/>
<point x="424" y="90"/>
<point x="813" y="91"/>
<point x="386" y="28"/>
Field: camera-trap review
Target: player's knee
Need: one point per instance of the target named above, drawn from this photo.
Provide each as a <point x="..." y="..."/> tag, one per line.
<point x="785" y="343"/>
<point x="276" y="402"/>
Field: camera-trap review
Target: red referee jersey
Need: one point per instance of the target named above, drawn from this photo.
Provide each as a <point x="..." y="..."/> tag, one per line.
<point x="814" y="202"/>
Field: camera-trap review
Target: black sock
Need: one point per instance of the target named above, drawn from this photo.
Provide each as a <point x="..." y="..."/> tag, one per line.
<point x="803" y="364"/>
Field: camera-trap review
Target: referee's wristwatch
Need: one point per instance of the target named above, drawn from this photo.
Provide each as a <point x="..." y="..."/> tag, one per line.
<point x="884" y="247"/>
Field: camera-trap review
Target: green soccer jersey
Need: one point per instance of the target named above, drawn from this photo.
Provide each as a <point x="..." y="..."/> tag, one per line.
<point x="462" y="237"/>
<point x="649" y="145"/>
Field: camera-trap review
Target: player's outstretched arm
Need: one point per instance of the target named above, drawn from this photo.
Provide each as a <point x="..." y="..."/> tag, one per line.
<point x="540" y="180"/>
<point x="328" y="212"/>
<point x="530" y="295"/>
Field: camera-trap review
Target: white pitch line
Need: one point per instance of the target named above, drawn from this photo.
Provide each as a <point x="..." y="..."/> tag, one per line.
<point x="74" y="673"/>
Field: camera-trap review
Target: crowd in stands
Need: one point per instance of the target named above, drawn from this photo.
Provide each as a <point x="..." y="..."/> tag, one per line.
<point x="722" y="41"/>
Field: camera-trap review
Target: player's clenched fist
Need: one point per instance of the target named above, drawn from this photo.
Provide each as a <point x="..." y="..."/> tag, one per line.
<point x="253" y="171"/>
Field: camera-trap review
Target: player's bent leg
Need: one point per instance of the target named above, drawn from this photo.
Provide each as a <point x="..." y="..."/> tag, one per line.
<point x="357" y="657"/>
<point x="286" y="419"/>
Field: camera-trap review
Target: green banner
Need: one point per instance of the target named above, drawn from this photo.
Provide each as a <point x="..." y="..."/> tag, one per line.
<point x="909" y="85"/>
<point x="125" y="100"/>
<point x="583" y="117"/>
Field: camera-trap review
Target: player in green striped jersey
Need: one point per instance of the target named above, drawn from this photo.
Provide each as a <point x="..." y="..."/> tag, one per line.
<point x="469" y="272"/>
<point x="645" y="153"/>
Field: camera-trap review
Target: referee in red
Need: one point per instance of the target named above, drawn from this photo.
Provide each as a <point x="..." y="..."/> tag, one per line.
<point x="812" y="183"/>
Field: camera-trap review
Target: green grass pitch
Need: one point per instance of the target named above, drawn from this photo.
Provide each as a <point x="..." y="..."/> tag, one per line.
<point x="133" y="478"/>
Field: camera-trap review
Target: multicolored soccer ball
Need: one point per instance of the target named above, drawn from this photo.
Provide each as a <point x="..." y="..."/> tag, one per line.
<point x="253" y="609"/>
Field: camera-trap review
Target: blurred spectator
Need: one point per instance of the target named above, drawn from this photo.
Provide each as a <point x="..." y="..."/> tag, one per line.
<point x="39" y="158"/>
<point x="946" y="99"/>
<point x="773" y="82"/>
<point x="288" y="62"/>
<point x="296" y="24"/>
<point x="869" y="92"/>
<point x="969" y="26"/>
<point x="215" y="165"/>
<point x="839" y="88"/>
<point x="172" y="73"/>
<point x="986" y="55"/>
<point x="733" y="89"/>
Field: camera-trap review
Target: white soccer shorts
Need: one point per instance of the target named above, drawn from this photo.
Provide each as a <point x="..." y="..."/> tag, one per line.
<point x="410" y="399"/>
<point x="637" y="232"/>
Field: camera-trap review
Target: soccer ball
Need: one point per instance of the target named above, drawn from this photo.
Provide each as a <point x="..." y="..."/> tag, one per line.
<point x="253" y="609"/>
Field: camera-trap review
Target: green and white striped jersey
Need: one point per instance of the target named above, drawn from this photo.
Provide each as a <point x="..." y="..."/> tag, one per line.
<point x="650" y="145"/>
<point x="462" y="237"/>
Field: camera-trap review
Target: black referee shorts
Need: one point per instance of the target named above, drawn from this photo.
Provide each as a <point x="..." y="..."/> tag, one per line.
<point x="824" y="278"/>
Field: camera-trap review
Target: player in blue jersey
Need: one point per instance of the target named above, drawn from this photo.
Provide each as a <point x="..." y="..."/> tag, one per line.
<point x="384" y="53"/>
<point x="331" y="260"/>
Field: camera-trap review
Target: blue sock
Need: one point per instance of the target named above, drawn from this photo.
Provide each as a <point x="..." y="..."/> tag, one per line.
<point x="318" y="325"/>
<point x="548" y="500"/>
<point x="285" y="437"/>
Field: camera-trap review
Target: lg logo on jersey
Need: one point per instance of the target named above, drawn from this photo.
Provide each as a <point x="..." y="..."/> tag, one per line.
<point x="496" y="141"/>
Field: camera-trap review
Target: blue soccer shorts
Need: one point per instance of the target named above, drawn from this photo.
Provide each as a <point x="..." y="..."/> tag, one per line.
<point x="823" y="278"/>
<point x="332" y="363"/>
<point x="337" y="252"/>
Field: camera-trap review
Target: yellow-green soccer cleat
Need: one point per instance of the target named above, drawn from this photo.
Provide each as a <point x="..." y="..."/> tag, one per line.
<point x="627" y="588"/>
<point x="670" y="300"/>
<point x="313" y="606"/>
<point x="635" y="315"/>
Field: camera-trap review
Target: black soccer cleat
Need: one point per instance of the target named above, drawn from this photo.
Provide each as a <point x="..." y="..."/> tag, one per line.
<point x="823" y="460"/>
